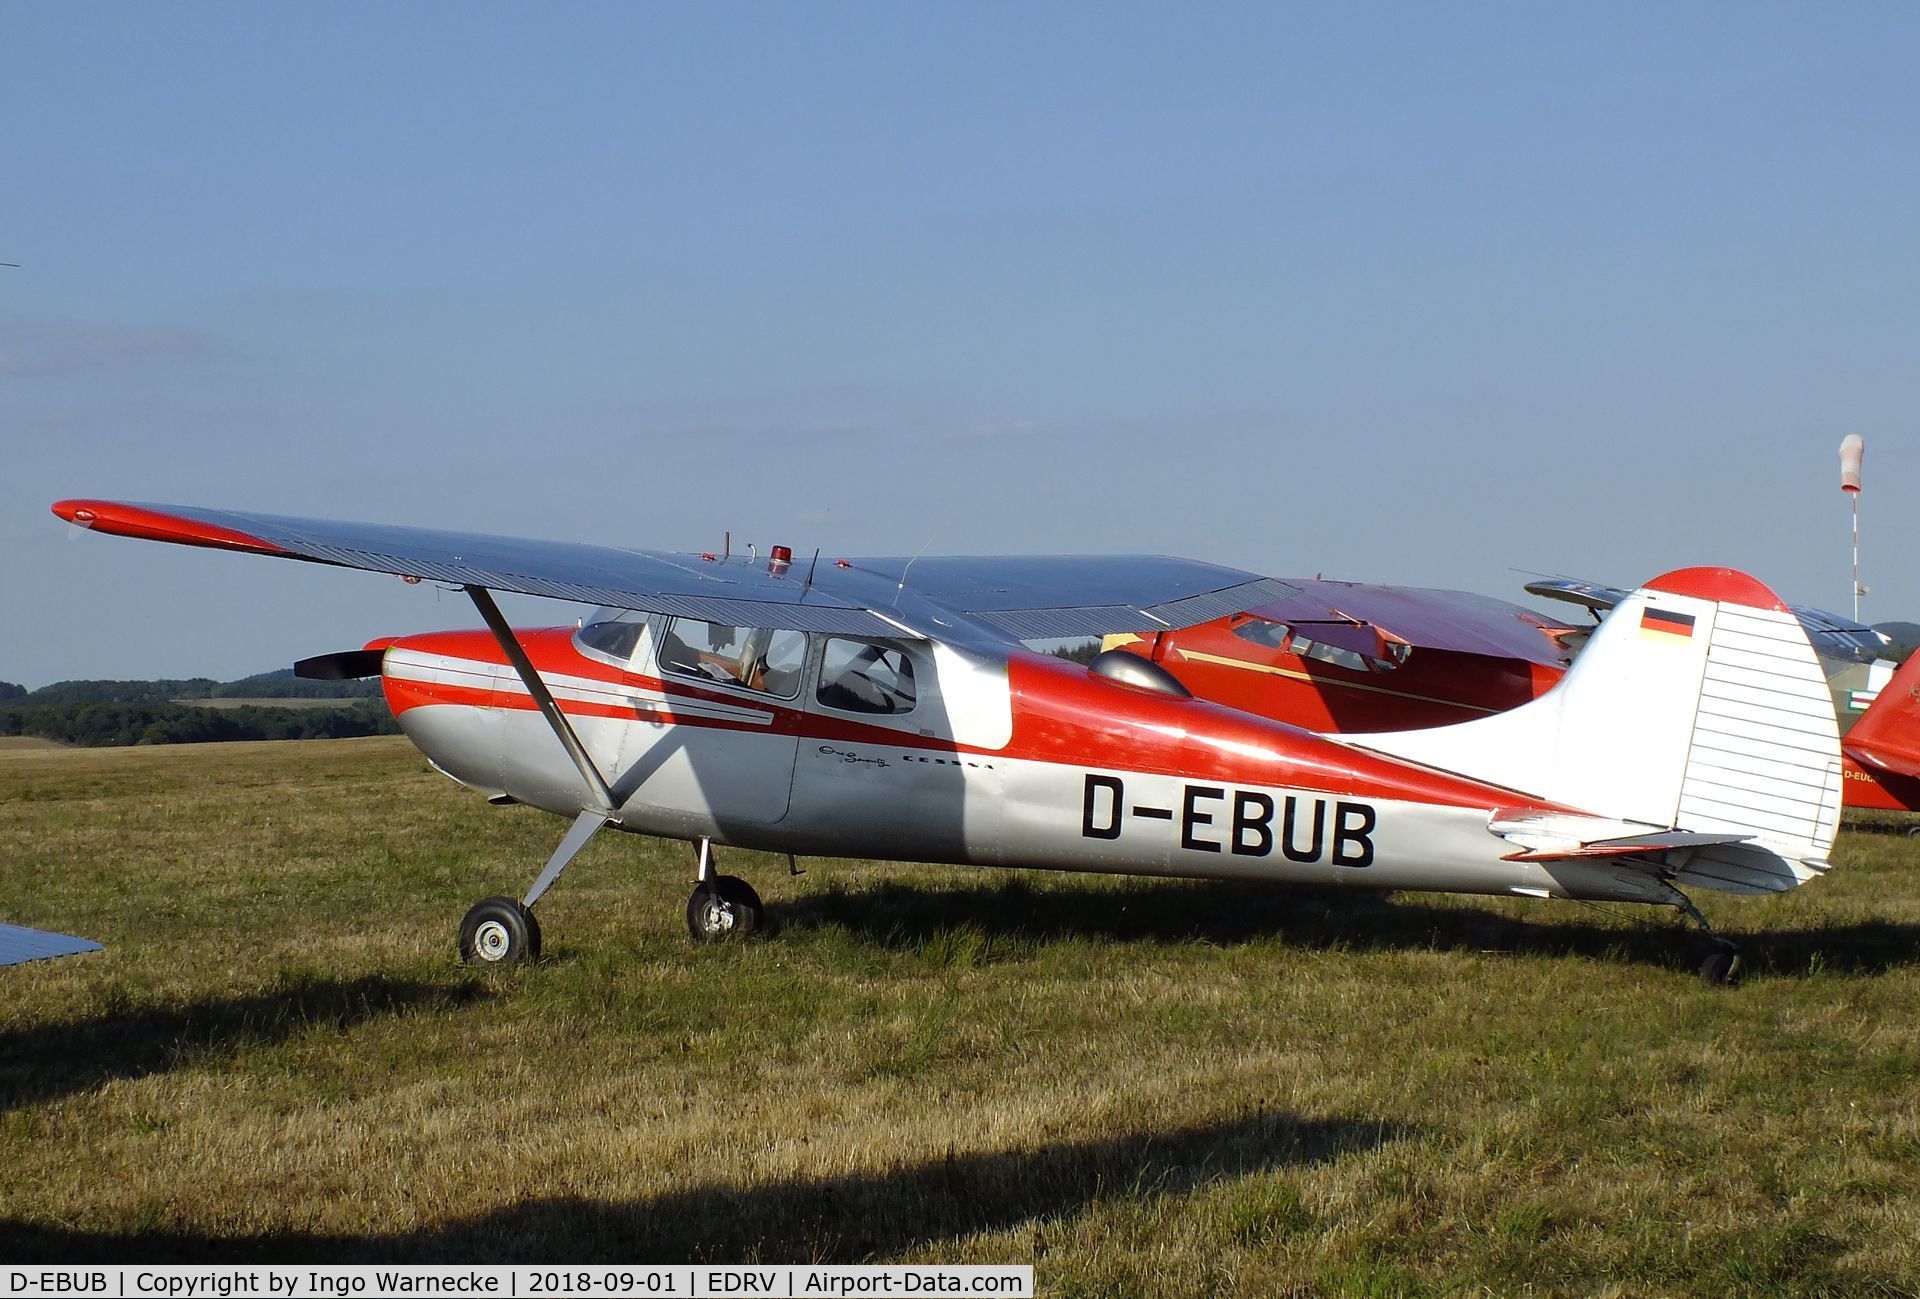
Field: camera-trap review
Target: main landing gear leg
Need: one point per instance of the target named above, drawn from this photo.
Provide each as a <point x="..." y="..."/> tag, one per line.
<point x="500" y="931"/>
<point x="723" y="908"/>
<point x="1722" y="966"/>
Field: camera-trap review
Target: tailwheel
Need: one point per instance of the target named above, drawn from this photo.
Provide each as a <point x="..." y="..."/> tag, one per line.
<point x="723" y="908"/>
<point x="1721" y="967"/>
<point x="498" y="932"/>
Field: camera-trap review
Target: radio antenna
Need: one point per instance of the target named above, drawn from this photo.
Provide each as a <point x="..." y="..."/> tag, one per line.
<point x="910" y="563"/>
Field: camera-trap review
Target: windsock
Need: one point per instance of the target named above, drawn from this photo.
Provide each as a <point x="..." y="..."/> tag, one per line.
<point x="1852" y="448"/>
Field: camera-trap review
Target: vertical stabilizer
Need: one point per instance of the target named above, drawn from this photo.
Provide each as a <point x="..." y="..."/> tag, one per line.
<point x="1698" y="705"/>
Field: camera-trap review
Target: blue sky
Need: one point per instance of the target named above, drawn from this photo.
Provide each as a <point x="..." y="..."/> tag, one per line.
<point x="1400" y="293"/>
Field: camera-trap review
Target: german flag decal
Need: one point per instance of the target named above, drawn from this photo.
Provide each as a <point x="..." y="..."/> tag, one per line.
<point x="1660" y="622"/>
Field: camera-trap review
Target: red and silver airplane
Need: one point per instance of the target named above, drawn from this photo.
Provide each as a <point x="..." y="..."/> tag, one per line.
<point x="1356" y="657"/>
<point x="888" y="709"/>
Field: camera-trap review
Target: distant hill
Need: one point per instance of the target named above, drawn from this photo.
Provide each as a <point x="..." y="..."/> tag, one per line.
<point x="176" y="711"/>
<point x="1904" y="635"/>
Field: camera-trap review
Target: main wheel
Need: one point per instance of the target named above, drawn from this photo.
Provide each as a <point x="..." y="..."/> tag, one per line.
<point x="723" y="909"/>
<point x="499" y="931"/>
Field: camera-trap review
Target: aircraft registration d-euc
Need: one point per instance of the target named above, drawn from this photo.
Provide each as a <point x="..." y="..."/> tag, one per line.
<point x="888" y="708"/>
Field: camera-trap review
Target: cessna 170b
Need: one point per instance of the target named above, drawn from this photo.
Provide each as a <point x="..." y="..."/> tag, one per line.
<point x="887" y="708"/>
<point x="1348" y="656"/>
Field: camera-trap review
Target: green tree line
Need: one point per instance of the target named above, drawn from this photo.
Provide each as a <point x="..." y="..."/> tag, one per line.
<point x="98" y="713"/>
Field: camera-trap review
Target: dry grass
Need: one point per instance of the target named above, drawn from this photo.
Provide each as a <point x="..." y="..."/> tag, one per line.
<point x="1143" y="1087"/>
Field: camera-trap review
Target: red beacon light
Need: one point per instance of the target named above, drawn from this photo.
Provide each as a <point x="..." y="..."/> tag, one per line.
<point x="779" y="559"/>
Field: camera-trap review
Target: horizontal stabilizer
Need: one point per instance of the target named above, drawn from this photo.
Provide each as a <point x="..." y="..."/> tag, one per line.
<point x="1559" y="837"/>
<point x="18" y="944"/>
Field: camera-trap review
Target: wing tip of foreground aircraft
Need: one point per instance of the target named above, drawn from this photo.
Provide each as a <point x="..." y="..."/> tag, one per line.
<point x="19" y="944"/>
<point x="148" y="523"/>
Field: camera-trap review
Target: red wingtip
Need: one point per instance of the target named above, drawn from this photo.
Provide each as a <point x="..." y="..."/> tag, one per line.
<point x="123" y="520"/>
<point x="1722" y="585"/>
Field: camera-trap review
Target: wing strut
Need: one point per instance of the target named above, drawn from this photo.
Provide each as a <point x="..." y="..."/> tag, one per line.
<point x="516" y="655"/>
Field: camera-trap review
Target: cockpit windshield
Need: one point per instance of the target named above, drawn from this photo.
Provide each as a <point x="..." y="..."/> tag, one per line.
<point x="611" y="634"/>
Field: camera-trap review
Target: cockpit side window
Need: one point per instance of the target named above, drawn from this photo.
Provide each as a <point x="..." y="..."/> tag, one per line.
<point x="1334" y="654"/>
<point x="862" y="677"/>
<point x="765" y="659"/>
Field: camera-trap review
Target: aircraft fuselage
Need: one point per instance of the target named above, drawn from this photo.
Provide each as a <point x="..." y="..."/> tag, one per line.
<point x="1015" y="760"/>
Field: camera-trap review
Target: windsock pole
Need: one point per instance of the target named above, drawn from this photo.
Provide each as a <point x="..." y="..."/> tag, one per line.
<point x="1852" y="450"/>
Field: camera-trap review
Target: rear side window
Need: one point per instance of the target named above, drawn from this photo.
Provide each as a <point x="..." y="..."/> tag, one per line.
<point x="862" y="677"/>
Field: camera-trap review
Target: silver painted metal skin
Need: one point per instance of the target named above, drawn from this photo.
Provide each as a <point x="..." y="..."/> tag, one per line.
<point x="19" y="944"/>
<point x="985" y="600"/>
<point x="1132" y="670"/>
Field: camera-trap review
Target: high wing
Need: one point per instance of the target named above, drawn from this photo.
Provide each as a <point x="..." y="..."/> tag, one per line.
<point x="1367" y="619"/>
<point x="18" y="945"/>
<point x="1833" y="637"/>
<point x="997" y="598"/>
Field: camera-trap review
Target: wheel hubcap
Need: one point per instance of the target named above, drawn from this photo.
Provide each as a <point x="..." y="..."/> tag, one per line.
<point x="717" y="916"/>
<point x="491" y="941"/>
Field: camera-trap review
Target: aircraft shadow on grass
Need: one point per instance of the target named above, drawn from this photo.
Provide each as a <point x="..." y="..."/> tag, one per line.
<point x="844" y="1219"/>
<point x="47" y="1061"/>
<point x="903" y="917"/>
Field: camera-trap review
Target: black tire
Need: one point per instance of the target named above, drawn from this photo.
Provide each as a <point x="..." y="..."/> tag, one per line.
<point x="1721" y="969"/>
<point x="499" y="932"/>
<point x="724" y="910"/>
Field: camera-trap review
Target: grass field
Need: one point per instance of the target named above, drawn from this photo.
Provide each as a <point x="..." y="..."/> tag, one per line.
<point x="1143" y="1088"/>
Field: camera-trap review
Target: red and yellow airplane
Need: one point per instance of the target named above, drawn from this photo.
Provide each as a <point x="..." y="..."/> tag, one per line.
<point x="888" y="708"/>
<point x="1346" y="656"/>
